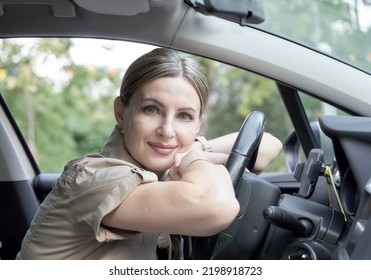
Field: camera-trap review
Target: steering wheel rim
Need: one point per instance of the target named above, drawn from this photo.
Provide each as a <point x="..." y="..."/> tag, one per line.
<point x="243" y="155"/>
<point x="245" y="149"/>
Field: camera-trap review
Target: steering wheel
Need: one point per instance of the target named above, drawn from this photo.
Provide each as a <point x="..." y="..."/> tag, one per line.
<point x="246" y="146"/>
<point x="243" y="155"/>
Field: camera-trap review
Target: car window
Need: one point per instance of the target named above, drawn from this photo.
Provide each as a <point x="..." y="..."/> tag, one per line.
<point x="315" y="108"/>
<point x="62" y="99"/>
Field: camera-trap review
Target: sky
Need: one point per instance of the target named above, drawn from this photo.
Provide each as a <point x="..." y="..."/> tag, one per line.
<point x="114" y="53"/>
<point x="365" y="16"/>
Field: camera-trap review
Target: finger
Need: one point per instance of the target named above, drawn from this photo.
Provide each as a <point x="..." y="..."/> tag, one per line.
<point x="178" y="159"/>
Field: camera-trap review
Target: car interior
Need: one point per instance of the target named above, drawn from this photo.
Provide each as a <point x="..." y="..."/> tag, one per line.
<point x="319" y="209"/>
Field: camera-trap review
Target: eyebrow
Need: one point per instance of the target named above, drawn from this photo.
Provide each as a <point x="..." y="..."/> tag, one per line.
<point x="160" y="104"/>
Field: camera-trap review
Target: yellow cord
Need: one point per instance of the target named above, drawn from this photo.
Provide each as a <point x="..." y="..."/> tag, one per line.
<point x="328" y="175"/>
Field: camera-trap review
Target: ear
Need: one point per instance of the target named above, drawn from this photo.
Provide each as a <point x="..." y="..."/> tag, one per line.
<point x="118" y="107"/>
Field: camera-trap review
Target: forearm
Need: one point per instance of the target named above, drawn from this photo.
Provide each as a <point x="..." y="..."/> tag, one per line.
<point x="223" y="144"/>
<point x="213" y="189"/>
<point x="200" y="203"/>
<point x="269" y="148"/>
<point x="212" y="177"/>
<point x="197" y="168"/>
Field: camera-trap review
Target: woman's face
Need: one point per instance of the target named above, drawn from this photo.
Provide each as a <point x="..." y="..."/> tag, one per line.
<point x="162" y="119"/>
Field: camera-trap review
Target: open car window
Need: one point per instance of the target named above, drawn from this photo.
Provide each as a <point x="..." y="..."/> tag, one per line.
<point x="62" y="98"/>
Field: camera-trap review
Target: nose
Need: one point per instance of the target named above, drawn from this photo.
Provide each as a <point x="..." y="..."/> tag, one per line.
<point x="166" y="128"/>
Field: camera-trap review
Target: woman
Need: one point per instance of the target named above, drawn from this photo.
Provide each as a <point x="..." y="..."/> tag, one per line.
<point x="151" y="177"/>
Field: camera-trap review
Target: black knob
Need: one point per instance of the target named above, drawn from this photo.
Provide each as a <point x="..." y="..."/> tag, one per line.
<point x="283" y="219"/>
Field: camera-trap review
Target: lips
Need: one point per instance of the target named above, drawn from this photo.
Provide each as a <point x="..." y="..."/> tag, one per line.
<point x="162" y="149"/>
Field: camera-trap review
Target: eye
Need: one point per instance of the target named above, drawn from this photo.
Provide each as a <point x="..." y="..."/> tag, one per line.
<point x="185" y="117"/>
<point x="150" y="109"/>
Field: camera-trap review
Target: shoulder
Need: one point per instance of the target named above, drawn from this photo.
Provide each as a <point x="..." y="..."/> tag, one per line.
<point x="96" y="169"/>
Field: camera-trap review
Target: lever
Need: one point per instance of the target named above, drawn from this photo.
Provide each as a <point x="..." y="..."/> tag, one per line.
<point x="283" y="219"/>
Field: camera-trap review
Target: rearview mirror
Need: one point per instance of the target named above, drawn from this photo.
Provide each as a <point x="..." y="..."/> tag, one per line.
<point x="243" y="12"/>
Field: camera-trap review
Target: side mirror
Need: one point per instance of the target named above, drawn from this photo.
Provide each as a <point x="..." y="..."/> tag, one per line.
<point x="292" y="147"/>
<point x="243" y="12"/>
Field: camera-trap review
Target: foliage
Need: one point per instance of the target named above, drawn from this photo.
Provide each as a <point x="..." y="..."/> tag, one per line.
<point x="59" y="120"/>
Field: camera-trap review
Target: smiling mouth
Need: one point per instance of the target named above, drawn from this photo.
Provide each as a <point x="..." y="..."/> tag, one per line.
<point x="162" y="149"/>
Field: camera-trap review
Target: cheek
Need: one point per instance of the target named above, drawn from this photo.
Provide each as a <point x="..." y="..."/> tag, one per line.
<point x="132" y="120"/>
<point x="136" y="129"/>
<point x="187" y="136"/>
<point x="130" y="129"/>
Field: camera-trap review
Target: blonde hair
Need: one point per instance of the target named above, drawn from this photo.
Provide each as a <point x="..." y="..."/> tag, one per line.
<point x="164" y="62"/>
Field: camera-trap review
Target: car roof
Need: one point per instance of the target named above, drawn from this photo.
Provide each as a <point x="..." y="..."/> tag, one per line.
<point x="173" y="23"/>
<point x="67" y="18"/>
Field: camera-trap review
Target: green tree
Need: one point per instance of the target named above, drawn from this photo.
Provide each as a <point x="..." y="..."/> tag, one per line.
<point x="60" y="118"/>
<point x="234" y="94"/>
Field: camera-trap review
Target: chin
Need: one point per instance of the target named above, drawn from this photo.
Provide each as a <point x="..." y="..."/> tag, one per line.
<point x="158" y="166"/>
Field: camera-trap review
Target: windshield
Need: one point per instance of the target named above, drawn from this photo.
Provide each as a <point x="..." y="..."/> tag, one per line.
<point x="340" y="28"/>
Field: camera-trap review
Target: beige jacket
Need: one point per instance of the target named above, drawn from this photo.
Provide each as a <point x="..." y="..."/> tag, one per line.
<point x="68" y="223"/>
